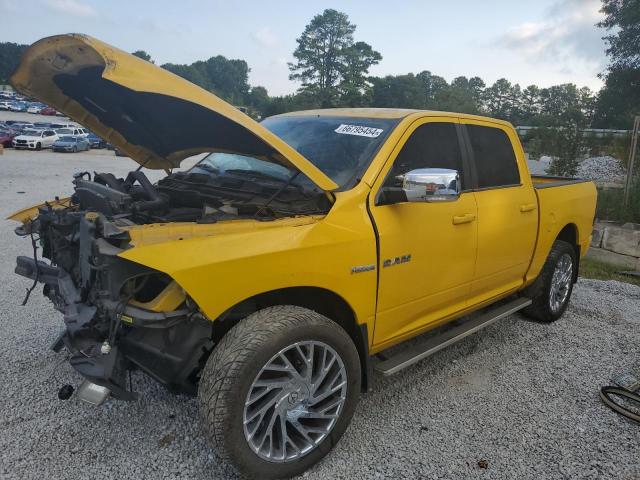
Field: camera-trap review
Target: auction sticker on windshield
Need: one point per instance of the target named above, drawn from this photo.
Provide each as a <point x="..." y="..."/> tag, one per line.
<point x="359" y="130"/>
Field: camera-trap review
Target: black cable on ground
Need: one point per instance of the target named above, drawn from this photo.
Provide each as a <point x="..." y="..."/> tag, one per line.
<point x="607" y="392"/>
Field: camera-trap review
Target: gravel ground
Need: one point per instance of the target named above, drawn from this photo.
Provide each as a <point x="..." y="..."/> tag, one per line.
<point x="602" y="169"/>
<point x="520" y="395"/>
<point x="599" y="169"/>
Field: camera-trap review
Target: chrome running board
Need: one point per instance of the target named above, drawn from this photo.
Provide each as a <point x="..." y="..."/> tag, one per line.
<point x="434" y="344"/>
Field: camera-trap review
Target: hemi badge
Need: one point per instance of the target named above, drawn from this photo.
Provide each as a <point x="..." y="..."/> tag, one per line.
<point x="363" y="268"/>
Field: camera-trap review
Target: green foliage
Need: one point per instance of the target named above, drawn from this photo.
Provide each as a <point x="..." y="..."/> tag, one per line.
<point x="611" y="204"/>
<point x="619" y="100"/>
<point x="330" y="65"/>
<point x="623" y="18"/>
<point x="229" y="79"/>
<point x="398" y="91"/>
<point x="590" y="268"/>
<point x="143" y="55"/>
<point x="10" y="54"/>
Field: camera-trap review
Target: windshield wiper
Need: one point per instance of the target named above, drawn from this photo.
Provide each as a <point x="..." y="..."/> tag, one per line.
<point x="255" y="173"/>
<point x="208" y="167"/>
<point x="278" y="192"/>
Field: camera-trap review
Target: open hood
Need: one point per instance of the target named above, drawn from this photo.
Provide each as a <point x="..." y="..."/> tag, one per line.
<point x="154" y="116"/>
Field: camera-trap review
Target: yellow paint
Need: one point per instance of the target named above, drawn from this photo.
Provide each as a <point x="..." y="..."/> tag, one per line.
<point x="437" y="281"/>
<point x="29" y="213"/>
<point x="170" y="298"/>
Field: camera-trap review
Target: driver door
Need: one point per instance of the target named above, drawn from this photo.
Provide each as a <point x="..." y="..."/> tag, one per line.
<point x="427" y="244"/>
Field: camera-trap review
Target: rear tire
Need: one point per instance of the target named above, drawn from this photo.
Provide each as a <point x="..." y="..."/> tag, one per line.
<point x="551" y="291"/>
<point x="251" y="357"/>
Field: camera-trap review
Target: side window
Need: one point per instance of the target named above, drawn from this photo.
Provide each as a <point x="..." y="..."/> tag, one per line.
<point x="494" y="157"/>
<point x="432" y="145"/>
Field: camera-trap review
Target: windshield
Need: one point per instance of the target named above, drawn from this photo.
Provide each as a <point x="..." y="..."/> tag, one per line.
<point x="32" y="133"/>
<point x="223" y="163"/>
<point x="64" y="131"/>
<point x="341" y="147"/>
<point x="67" y="139"/>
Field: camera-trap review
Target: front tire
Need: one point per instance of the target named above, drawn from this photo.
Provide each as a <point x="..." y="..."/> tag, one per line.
<point x="551" y="291"/>
<point x="38" y="146"/>
<point x="279" y="390"/>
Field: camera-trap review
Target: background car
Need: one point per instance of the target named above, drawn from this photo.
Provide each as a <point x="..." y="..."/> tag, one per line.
<point x="72" y="131"/>
<point x="4" y="105"/>
<point x="95" y="141"/>
<point x="48" y="111"/>
<point x="35" y="139"/>
<point x="70" y="144"/>
<point x="18" y="126"/>
<point x="6" y="137"/>
<point x="35" y="108"/>
<point x="47" y="125"/>
<point x="17" y="107"/>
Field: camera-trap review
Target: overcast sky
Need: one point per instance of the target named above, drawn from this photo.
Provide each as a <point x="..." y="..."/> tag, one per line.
<point x="544" y="42"/>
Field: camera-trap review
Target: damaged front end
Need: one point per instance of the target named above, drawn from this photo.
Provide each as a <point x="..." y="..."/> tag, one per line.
<point x="119" y="315"/>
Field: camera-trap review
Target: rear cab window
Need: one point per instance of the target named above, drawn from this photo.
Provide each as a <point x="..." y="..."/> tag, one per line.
<point x="495" y="160"/>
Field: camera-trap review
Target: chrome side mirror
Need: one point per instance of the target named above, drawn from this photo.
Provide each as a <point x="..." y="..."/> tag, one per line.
<point x="423" y="185"/>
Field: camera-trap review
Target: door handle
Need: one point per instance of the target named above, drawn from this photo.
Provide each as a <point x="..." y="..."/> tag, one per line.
<point x="528" y="207"/>
<point x="466" y="218"/>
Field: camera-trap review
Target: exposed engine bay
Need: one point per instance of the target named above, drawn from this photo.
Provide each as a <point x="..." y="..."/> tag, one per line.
<point x="194" y="196"/>
<point x="120" y="315"/>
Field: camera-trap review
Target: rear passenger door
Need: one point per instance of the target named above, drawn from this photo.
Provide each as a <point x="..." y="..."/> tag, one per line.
<point x="507" y="209"/>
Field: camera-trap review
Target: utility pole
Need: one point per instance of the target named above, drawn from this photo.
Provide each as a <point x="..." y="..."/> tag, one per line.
<point x="632" y="160"/>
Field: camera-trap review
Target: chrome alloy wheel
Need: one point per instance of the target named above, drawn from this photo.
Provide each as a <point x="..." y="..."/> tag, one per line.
<point x="295" y="401"/>
<point x="561" y="282"/>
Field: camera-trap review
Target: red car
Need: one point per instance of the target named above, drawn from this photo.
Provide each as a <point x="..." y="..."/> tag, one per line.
<point x="48" y="111"/>
<point x="6" y="136"/>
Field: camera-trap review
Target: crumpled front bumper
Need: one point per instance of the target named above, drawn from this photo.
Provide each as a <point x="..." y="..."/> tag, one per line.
<point x="102" y="366"/>
<point x="166" y="345"/>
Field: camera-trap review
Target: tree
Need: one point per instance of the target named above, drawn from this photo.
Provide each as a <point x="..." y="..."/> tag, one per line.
<point x="529" y="104"/>
<point x="398" y="91"/>
<point x="619" y="99"/>
<point x="10" y="54"/>
<point x="355" y="89"/>
<point x="258" y="99"/>
<point x="623" y="16"/>
<point x="462" y="95"/>
<point x="143" y="55"/>
<point x="328" y="62"/>
<point x="500" y="99"/>
<point x="229" y="79"/>
<point x="431" y="85"/>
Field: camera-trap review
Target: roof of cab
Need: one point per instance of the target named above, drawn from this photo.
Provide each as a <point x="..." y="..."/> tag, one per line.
<point x="395" y="113"/>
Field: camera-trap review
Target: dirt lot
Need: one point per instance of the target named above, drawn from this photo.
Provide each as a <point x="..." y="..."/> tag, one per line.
<point x="519" y="395"/>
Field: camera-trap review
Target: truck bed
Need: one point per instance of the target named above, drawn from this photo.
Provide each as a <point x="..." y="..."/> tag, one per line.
<point x="562" y="202"/>
<point x="550" y="181"/>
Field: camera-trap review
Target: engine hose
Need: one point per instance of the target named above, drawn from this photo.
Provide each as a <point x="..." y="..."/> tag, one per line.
<point x="605" y="395"/>
<point x="156" y="201"/>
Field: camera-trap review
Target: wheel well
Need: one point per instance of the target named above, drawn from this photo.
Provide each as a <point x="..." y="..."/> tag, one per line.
<point x="569" y="234"/>
<point x="320" y="300"/>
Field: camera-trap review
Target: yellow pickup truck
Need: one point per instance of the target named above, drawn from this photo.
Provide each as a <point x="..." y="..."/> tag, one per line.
<point x="270" y="278"/>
